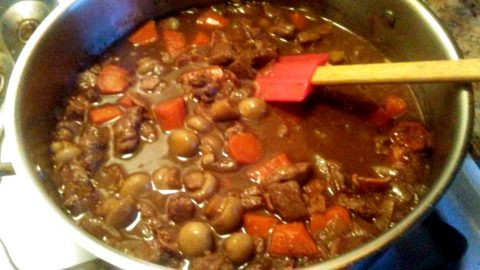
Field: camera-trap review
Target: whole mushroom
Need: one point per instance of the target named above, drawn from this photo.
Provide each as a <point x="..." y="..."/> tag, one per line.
<point x="136" y="185"/>
<point x="225" y="213"/>
<point x="183" y="143"/>
<point x="167" y="177"/>
<point x="252" y="108"/>
<point x="200" y="185"/>
<point x="239" y="247"/>
<point x="195" y="238"/>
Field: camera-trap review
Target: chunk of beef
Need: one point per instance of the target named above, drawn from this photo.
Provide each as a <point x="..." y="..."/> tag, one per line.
<point x="412" y="135"/>
<point x="195" y="54"/>
<point x="363" y="205"/>
<point x="127" y="130"/>
<point x="180" y="208"/>
<point x="314" y="197"/>
<point x="287" y="200"/>
<point x="252" y="197"/>
<point x="79" y="194"/>
<point x="265" y="51"/>
<point x="67" y="130"/>
<point x="242" y="67"/>
<point x="94" y="144"/>
<point x="200" y="77"/>
<point x="205" y="83"/>
<point x="167" y="239"/>
<point x="300" y="172"/>
<point x="213" y="261"/>
<point x="222" y="54"/>
<point x="207" y="93"/>
<point x="76" y="108"/>
<point x="108" y="177"/>
<point x="410" y="165"/>
<point x="314" y="34"/>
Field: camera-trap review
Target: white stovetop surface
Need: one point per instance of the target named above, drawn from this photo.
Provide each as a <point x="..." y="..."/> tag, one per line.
<point x="32" y="240"/>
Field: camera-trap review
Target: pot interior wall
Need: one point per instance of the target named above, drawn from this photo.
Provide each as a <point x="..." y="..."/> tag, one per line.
<point x="87" y="28"/>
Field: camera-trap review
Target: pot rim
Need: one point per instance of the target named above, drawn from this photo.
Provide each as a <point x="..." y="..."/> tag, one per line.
<point x="111" y="255"/>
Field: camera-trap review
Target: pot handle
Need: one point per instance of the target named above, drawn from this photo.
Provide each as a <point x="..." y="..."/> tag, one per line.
<point x="19" y="20"/>
<point x="6" y="66"/>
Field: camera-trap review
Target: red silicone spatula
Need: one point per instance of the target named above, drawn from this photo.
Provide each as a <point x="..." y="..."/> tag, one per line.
<point x="289" y="79"/>
<point x="292" y="77"/>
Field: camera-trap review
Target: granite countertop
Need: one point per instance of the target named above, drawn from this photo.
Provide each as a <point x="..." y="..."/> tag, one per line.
<point x="462" y="19"/>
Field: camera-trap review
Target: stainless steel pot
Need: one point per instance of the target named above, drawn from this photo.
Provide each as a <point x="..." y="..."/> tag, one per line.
<point x="75" y="33"/>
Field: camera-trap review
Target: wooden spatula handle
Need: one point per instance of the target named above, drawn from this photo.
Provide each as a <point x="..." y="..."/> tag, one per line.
<point x="404" y="72"/>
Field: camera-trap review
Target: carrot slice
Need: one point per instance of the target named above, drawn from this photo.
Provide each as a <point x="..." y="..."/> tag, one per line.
<point x="112" y="79"/>
<point x="318" y="222"/>
<point x="261" y="173"/>
<point x="392" y="107"/>
<point x="379" y="118"/>
<point x="245" y="148"/>
<point x="170" y="114"/>
<point x="175" y="41"/>
<point x="201" y="38"/>
<point x="292" y="239"/>
<point x="258" y="224"/>
<point x="126" y="102"/>
<point x="104" y="113"/>
<point x="212" y="20"/>
<point x="145" y="35"/>
<point x="298" y="20"/>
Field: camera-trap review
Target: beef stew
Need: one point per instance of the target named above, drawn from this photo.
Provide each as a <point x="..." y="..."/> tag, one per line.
<point x="164" y="152"/>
